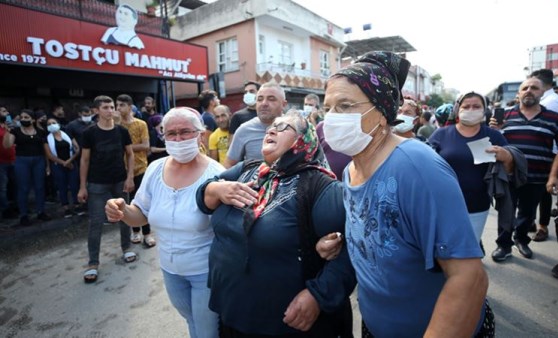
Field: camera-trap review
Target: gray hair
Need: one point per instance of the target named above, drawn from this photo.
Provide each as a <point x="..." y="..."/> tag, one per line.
<point x="314" y="97"/>
<point x="275" y="85"/>
<point x="185" y="113"/>
<point x="294" y="116"/>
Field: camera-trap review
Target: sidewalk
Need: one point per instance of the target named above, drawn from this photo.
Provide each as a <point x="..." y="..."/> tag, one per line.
<point x="11" y="231"/>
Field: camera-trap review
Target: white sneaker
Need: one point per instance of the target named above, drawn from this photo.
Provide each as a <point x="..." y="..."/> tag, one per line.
<point x="135" y="237"/>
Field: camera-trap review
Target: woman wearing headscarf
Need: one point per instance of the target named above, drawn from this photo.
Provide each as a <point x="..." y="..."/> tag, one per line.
<point x="265" y="276"/>
<point x="451" y="143"/>
<point x="166" y="199"/>
<point x="409" y="236"/>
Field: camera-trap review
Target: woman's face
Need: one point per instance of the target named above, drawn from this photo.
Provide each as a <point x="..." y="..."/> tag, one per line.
<point x="344" y="97"/>
<point x="179" y="129"/>
<point x="25" y="117"/>
<point x="279" y="138"/>
<point x="125" y="18"/>
<point x="471" y="103"/>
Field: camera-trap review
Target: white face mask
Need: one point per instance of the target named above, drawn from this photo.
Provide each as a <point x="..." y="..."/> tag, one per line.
<point x="87" y="119"/>
<point x="343" y="132"/>
<point x="308" y="109"/>
<point x="249" y="99"/>
<point x="471" y="117"/>
<point x="53" y="128"/>
<point x="407" y="124"/>
<point x="183" y="151"/>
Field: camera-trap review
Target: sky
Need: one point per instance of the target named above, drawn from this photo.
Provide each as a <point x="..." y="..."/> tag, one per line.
<point x="472" y="44"/>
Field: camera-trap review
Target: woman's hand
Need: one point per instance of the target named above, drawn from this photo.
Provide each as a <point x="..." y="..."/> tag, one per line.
<point x="115" y="209"/>
<point x="234" y="193"/>
<point x="329" y="246"/>
<point x="551" y="185"/>
<point x="502" y="154"/>
<point x="302" y="311"/>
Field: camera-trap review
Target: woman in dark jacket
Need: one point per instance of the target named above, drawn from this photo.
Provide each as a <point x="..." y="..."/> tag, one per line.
<point x="265" y="276"/>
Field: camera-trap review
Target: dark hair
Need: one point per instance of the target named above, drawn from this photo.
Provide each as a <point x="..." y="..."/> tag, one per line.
<point x="545" y="75"/>
<point x="125" y="98"/>
<point x="28" y="112"/>
<point x="131" y="9"/>
<point x="99" y="100"/>
<point x="252" y="83"/>
<point x="426" y="116"/>
<point x="469" y="95"/>
<point x="149" y="98"/>
<point x="206" y="97"/>
<point x="84" y="109"/>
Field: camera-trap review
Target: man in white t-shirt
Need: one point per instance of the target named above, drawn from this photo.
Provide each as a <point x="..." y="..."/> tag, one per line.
<point x="247" y="141"/>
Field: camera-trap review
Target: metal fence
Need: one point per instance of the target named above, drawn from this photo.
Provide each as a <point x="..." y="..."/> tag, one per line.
<point x="100" y="12"/>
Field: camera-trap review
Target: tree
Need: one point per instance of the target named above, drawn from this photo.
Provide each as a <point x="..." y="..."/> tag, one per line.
<point x="435" y="101"/>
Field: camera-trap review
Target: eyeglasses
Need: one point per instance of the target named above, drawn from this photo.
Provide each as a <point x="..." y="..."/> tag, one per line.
<point x="279" y="127"/>
<point x="343" y="107"/>
<point x="182" y="133"/>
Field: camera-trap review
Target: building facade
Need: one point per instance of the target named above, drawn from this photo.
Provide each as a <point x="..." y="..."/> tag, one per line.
<point x="261" y="40"/>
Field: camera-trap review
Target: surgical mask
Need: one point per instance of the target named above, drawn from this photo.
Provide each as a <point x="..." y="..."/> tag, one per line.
<point x="406" y="125"/>
<point x="25" y="123"/>
<point x="53" y="128"/>
<point x="343" y="132"/>
<point x="87" y="119"/>
<point x="249" y="99"/>
<point x="308" y="109"/>
<point x="183" y="151"/>
<point x="471" y="117"/>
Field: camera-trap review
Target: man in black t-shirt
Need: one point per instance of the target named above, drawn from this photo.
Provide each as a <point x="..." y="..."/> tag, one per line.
<point x="105" y="175"/>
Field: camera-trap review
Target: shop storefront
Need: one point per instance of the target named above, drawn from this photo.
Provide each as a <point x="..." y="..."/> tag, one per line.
<point x="46" y="60"/>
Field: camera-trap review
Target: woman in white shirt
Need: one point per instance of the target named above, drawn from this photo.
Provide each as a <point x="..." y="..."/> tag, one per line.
<point x="166" y="200"/>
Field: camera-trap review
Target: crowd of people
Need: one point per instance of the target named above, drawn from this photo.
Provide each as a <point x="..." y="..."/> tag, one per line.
<point x="267" y="220"/>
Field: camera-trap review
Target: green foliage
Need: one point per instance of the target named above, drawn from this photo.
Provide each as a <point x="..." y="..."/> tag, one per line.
<point x="435" y="100"/>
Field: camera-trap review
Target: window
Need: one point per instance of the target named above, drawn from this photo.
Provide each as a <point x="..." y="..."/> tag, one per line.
<point x="285" y="53"/>
<point x="227" y="55"/>
<point x="261" y="46"/>
<point x="324" y="63"/>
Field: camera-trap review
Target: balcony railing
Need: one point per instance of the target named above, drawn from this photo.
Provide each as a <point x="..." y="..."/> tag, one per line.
<point x="89" y="10"/>
<point x="289" y="69"/>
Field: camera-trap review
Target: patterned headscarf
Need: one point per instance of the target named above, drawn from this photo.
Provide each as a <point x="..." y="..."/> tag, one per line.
<point x="380" y="76"/>
<point x="305" y="154"/>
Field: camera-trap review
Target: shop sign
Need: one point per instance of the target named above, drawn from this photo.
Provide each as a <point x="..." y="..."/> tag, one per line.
<point x="37" y="39"/>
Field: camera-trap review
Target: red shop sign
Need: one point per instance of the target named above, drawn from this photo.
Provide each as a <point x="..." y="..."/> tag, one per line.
<point x="37" y="39"/>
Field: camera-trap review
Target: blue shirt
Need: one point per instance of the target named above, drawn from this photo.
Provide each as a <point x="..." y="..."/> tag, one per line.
<point x="408" y="214"/>
<point x="452" y="146"/>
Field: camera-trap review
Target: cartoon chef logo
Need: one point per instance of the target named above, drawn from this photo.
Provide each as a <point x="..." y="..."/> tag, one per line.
<point x="124" y="33"/>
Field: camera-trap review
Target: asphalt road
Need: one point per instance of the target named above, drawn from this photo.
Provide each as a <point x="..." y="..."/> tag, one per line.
<point x="42" y="293"/>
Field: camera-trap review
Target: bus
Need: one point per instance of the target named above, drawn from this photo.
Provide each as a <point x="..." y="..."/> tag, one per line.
<point x="504" y="93"/>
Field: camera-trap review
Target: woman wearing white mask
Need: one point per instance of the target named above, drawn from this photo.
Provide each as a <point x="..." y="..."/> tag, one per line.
<point x="62" y="151"/>
<point x="166" y="199"/>
<point x="417" y="262"/>
<point x="409" y="113"/>
<point x="451" y="143"/>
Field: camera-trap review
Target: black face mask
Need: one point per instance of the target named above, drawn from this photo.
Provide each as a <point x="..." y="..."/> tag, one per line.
<point x="43" y="124"/>
<point x="2" y="119"/>
<point x="25" y="123"/>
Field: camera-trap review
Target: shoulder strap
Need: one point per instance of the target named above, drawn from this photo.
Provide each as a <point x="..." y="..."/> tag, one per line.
<point x="311" y="184"/>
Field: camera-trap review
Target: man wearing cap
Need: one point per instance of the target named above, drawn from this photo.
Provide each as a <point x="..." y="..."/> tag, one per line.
<point x="409" y="237"/>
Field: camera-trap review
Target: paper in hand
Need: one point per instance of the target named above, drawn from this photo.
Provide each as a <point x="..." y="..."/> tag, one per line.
<point x="478" y="149"/>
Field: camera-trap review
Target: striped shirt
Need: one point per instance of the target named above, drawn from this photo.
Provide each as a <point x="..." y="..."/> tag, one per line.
<point x="534" y="138"/>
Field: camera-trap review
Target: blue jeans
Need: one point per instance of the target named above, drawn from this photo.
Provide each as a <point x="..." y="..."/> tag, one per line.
<point x="4" y="167"/>
<point x="30" y="171"/>
<point x="98" y="194"/>
<point x="190" y="296"/>
<point x="65" y="178"/>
